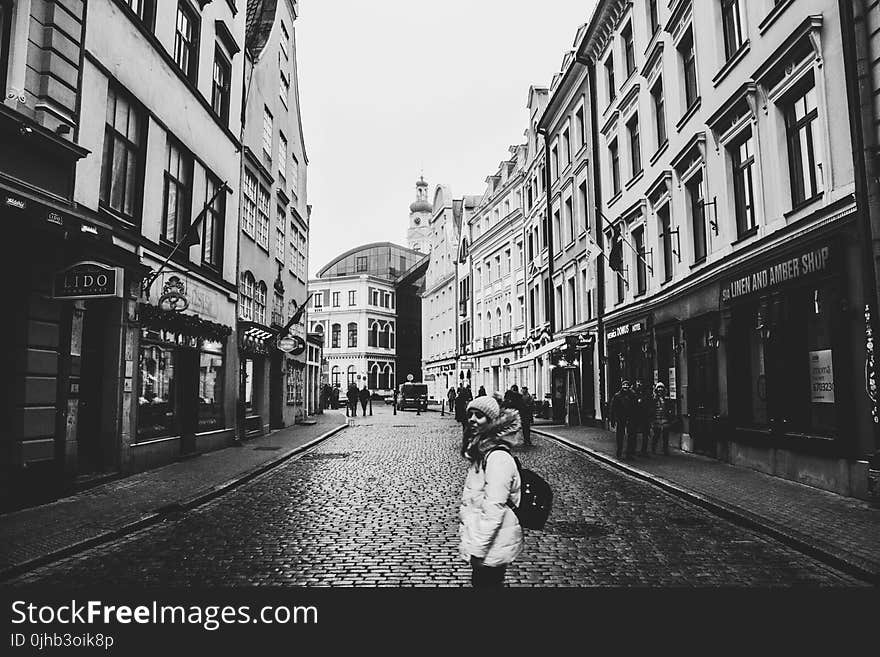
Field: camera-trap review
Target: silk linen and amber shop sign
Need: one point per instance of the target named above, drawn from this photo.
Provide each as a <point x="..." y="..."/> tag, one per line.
<point x="806" y="264"/>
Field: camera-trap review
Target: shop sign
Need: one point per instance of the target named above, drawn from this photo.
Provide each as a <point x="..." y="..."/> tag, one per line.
<point x="626" y="329"/>
<point x="287" y="345"/>
<point x="88" y="280"/>
<point x="466" y="364"/>
<point x="15" y="202"/>
<point x="814" y="261"/>
<point x="672" y="384"/>
<point x="821" y="377"/>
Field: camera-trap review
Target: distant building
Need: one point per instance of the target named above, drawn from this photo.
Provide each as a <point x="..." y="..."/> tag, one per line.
<point x="354" y="306"/>
<point x="418" y="232"/>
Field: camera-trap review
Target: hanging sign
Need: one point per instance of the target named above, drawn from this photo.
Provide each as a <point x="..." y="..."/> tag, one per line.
<point x="88" y="280"/>
<point x="287" y="344"/>
<point x="672" y="383"/>
<point x="821" y="377"/>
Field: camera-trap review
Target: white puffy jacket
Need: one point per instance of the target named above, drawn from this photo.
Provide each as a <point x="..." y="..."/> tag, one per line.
<point x="489" y="528"/>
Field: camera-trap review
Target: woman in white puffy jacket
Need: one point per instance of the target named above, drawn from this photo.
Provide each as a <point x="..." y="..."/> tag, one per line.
<point x="491" y="537"/>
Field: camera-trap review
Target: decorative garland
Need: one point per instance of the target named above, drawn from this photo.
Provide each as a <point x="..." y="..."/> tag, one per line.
<point x="870" y="372"/>
<point x="187" y="325"/>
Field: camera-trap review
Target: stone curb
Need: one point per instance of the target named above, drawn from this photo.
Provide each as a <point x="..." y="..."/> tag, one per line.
<point x="733" y="513"/>
<point x="163" y="511"/>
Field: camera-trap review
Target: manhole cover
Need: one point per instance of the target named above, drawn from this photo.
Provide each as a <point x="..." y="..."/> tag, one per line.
<point x="266" y="448"/>
<point x="576" y="528"/>
<point x="321" y="456"/>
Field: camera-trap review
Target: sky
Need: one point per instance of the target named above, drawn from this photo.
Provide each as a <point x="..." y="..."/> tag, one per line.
<point x="394" y="89"/>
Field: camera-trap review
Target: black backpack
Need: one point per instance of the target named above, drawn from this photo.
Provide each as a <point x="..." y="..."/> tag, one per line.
<point x="536" y="496"/>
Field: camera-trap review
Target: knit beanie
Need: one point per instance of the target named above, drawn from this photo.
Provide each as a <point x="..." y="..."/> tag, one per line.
<point x="487" y="406"/>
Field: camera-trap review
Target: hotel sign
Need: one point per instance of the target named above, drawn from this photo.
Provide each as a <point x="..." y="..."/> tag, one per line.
<point x="88" y="280"/>
<point x="814" y="261"/>
<point x="625" y="329"/>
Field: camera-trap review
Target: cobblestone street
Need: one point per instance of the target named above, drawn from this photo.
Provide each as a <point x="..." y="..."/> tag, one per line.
<point x="376" y="505"/>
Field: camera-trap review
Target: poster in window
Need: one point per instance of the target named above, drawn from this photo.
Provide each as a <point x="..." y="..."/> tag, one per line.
<point x="821" y="377"/>
<point x="673" y="392"/>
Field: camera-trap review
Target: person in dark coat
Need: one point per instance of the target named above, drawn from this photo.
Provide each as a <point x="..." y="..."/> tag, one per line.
<point x="334" y="397"/>
<point x="462" y="399"/>
<point x="364" y="396"/>
<point x="622" y="413"/>
<point x="450" y="396"/>
<point x="352" y="397"/>
<point x="644" y="414"/>
<point x="481" y="392"/>
<point x="661" y="418"/>
<point x="513" y="399"/>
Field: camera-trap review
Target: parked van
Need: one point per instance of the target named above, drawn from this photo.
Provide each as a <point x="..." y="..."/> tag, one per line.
<point x="413" y="395"/>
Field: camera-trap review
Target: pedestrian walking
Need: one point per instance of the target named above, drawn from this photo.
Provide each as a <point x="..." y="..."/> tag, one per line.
<point x="334" y="399"/>
<point x="481" y="392"/>
<point x="462" y="400"/>
<point x="489" y="531"/>
<point x="352" y="397"/>
<point x="364" y="396"/>
<point x="644" y="414"/>
<point x="623" y="407"/>
<point x="514" y="399"/>
<point x="450" y="396"/>
<point x="662" y="418"/>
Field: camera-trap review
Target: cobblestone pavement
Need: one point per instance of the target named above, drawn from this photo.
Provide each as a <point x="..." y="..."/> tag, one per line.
<point x="376" y="505"/>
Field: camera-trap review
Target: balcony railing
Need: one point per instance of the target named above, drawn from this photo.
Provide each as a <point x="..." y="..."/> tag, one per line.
<point x="505" y="338"/>
<point x="487" y="343"/>
<point x="497" y="341"/>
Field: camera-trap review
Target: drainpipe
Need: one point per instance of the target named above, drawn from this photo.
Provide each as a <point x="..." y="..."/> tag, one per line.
<point x="856" y="66"/>
<point x="550" y="254"/>
<point x="600" y="237"/>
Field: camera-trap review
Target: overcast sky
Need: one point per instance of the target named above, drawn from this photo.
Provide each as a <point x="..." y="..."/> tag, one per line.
<point x="393" y="88"/>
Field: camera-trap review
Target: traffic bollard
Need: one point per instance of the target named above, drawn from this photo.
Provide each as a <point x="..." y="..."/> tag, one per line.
<point x="442" y="406"/>
<point x="371" y="406"/>
<point x="395" y="408"/>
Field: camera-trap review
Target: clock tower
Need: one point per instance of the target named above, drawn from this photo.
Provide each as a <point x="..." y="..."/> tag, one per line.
<point x="417" y="235"/>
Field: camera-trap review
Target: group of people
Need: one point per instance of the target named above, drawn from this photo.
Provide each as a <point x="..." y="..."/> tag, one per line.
<point x="522" y="402"/>
<point x="330" y="398"/>
<point x="634" y="410"/>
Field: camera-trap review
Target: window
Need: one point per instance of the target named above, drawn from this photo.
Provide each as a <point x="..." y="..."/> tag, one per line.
<point x="638" y="236"/>
<point x="732" y="27"/>
<point x="303" y="255"/>
<point x="247" y="287"/>
<point x="220" y="86"/>
<point x="214" y="223"/>
<point x="659" y="112"/>
<point x="280" y="237"/>
<point x="336" y="299"/>
<point x="122" y="164"/>
<point x="583" y="222"/>
<point x="804" y="153"/>
<point x="609" y="78"/>
<point x="557" y="231"/>
<point x="143" y="9"/>
<point x="635" y="149"/>
<point x="260" y="303"/>
<point x="186" y="41"/>
<point x="743" y="161"/>
<point x="361" y="263"/>
<point x="352" y="334"/>
<point x="615" y="167"/>
<point x="689" y="68"/>
<point x="351" y="297"/>
<point x="666" y="239"/>
<point x="698" y="219"/>
<point x="629" y="53"/>
<point x="284" y="41"/>
<point x="569" y="220"/>
<point x="294" y="175"/>
<point x="566" y="147"/>
<point x="653" y="17"/>
<point x="579" y="127"/>
<point x="157" y="407"/>
<point x="5" y="38"/>
<point x="335" y="332"/>
<point x="282" y="155"/>
<point x="554" y="162"/>
<point x="249" y="207"/>
<point x="318" y="300"/>
<point x="263" y="217"/>
<point x="284" y="88"/>
<point x="211" y="376"/>
<point x="572" y="302"/>
<point x="560" y="308"/>
<point x="178" y="191"/>
<point x="267" y="133"/>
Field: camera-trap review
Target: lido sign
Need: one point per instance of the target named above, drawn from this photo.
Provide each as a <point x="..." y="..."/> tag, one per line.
<point x="88" y="280"/>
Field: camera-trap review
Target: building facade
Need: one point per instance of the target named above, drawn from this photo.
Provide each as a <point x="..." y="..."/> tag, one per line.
<point x="729" y="211"/>
<point x="354" y="308"/>
<point x="274" y="226"/>
<point x="117" y="142"/>
<point x="498" y="285"/>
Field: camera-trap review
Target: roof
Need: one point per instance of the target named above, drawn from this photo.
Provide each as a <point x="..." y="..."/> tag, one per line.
<point x="258" y="25"/>
<point x="365" y="247"/>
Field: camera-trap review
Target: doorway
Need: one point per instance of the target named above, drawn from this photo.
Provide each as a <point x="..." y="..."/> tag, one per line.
<point x="92" y="458"/>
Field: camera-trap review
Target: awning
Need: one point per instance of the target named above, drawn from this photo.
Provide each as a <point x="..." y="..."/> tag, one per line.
<point x="540" y="351"/>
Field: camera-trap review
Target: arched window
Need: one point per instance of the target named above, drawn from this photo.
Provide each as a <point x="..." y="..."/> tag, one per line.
<point x="385" y="335"/>
<point x="388" y="334"/>
<point x="373" y="334"/>
<point x="373" y="380"/>
<point x="500" y="321"/>
<point x="479" y="325"/>
<point x="335" y="373"/>
<point x="247" y="288"/>
<point x="335" y="331"/>
<point x="260" y="303"/>
<point x="509" y="317"/>
<point x="319" y="328"/>
<point x="388" y="377"/>
<point x="488" y="332"/>
<point x="351" y="375"/>
<point x="352" y="334"/>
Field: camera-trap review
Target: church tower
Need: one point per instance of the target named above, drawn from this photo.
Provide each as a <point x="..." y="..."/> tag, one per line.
<point x="418" y="233"/>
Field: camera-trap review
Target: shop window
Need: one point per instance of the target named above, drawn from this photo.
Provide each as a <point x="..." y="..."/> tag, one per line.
<point x="122" y="164"/>
<point x="211" y="376"/>
<point x="249" y="385"/>
<point x="157" y="410"/>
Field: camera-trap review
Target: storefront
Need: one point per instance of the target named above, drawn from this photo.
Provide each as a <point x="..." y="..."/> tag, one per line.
<point x="630" y="353"/>
<point x="256" y="351"/>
